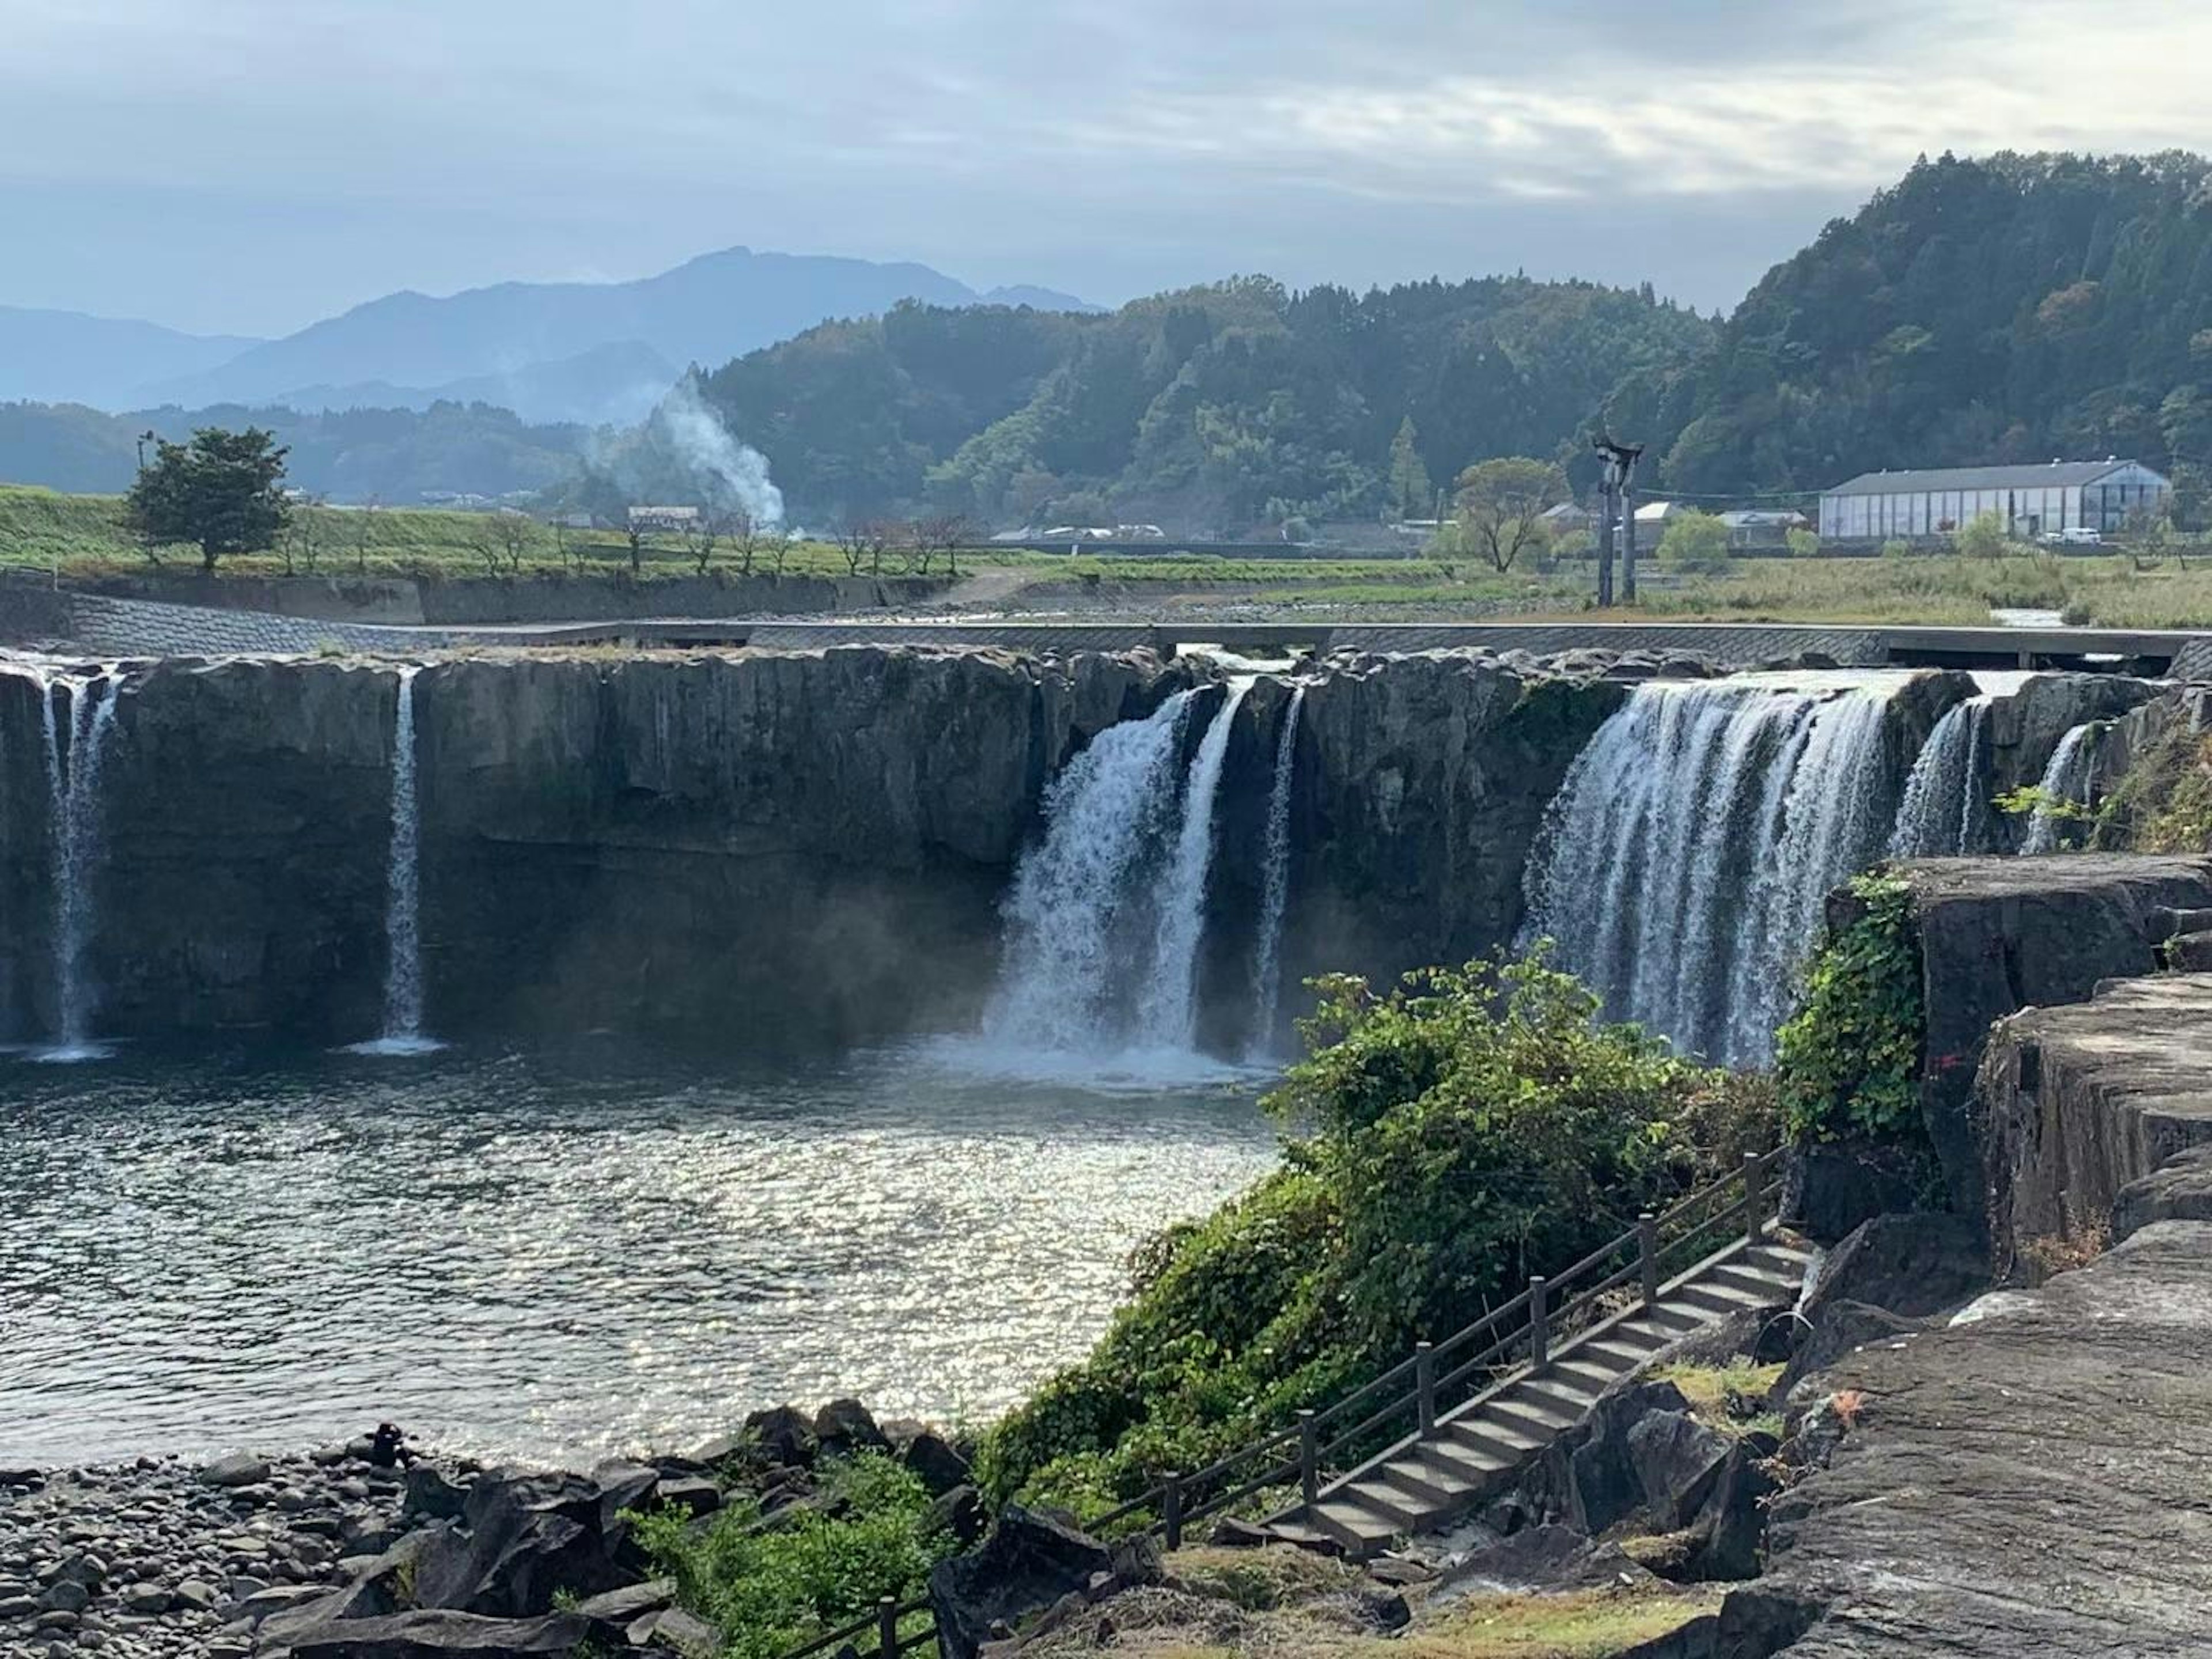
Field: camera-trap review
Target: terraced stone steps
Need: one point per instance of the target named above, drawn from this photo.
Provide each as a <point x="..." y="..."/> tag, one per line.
<point x="1479" y="1450"/>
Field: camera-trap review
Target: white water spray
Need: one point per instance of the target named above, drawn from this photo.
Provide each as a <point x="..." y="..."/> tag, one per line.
<point x="1684" y="862"/>
<point x="1106" y="915"/>
<point x="76" y="716"/>
<point x="1275" y="885"/>
<point x="2067" y="779"/>
<point x="402" y="910"/>
<point x="1943" y="811"/>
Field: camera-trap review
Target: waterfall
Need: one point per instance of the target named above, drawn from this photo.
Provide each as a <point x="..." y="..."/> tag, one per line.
<point x="1275" y="887"/>
<point x="1943" y="811"/>
<point x="1683" y="864"/>
<point x="2068" y="778"/>
<point x="403" y="905"/>
<point x="1168" y="1010"/>
<point x="1107" y="913"/>
<point x="76" y="717"/>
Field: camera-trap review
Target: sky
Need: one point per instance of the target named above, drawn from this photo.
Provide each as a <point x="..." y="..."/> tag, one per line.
<point x="248" y="165"/>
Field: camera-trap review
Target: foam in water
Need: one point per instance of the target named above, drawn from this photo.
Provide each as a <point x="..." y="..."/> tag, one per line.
<point x="403" y="912"/>
<point x="1275" y="885"/>
<point x="1684" y="862"/>
<point x="2066" y="778"/>
<point x="1944" y="810"/>
<point x="76" y="717"/>
<point x="1106" y="915"/>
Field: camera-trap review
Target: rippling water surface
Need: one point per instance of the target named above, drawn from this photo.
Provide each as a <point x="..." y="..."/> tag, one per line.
<point x="543" y="1259"/>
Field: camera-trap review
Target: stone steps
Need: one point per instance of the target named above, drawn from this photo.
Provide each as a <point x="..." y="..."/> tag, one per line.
<point x="1480" y="1448"/>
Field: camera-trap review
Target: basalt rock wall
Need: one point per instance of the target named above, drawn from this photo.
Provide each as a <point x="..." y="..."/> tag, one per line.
<point x="753" y="849"/>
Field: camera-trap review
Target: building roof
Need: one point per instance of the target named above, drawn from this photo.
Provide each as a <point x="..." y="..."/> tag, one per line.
<point x="2052" y="475"/>
<point x="1746" y="518"/>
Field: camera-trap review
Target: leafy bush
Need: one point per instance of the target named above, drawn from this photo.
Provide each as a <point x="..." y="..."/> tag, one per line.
<point x="775" y="1588"/>
<point x="2163" y="802"/>
<point x="1469" y="1128"/>
<point x="1849" y="1060"/>
<point x="1694" y="541"/>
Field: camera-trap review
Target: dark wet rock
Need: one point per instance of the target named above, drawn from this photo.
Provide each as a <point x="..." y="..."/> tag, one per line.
<point x="844" y="1427"/>
<point x="960" y="1512"/>
<point x="693" y="1494"/>
<point x="933" y="1458"/>
<point x="1137" y="1562"/>
<point x="439" y="1634"/>
<point x="1915" y="1266"/>
<point x="618" y="1609"/>
<point x="528" y="1537"/>
<point x="432" y="1496"/>
<point x="1028" y="1563"/>
<point x="1676" y="1460"/>
<point x="1830" y="1190"/>
<point x="783" y="1436"/>
<point x="1589" y="1478"/>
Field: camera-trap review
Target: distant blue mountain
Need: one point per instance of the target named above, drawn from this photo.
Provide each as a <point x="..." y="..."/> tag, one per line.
<point x="65" y="356"/>
<point x="548" y="335"/>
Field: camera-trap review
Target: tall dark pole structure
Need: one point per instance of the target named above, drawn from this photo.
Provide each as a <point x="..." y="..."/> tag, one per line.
<point x="1620" y="480"/>
<point x="1604" y="528"/>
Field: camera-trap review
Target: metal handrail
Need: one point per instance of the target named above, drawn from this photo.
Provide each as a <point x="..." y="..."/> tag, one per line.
<point x="1171" y="1498"/>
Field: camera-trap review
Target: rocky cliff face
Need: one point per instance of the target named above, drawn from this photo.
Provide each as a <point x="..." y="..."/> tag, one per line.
<point x="756" y="848"/>
<point x="760" y="849"/>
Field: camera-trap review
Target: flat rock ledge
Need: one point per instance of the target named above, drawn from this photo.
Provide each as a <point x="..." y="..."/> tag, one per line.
<point x="2029" y="1478"/>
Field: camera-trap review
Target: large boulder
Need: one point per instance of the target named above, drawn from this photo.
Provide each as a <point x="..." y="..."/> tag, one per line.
<point x="1914" y="1265"/>
<point x="1676" y="1460"/>
<point x="1028" y="1563"/>
<point x="1842" y="1327"/>
<point x="2180" y="1190"/>
<point x="439" y="1634"/>
<point x="844" y="1427"/>
<point x="1830" y="1189"/>
<point x="527" y="1537"/>
<point x="783" y="1436"/>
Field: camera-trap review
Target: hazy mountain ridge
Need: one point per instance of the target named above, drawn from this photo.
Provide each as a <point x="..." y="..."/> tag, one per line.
<point x="573" y="348"/>
<point x="52" y="356"/>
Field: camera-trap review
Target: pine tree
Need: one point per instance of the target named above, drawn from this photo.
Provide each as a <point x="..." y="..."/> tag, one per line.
<point x="1410" y="492"/>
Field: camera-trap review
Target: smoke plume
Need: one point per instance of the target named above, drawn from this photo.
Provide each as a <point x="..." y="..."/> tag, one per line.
<point x="732" y="475"/>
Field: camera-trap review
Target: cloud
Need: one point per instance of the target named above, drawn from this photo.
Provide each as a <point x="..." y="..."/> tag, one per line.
<point x="253" y="164"/>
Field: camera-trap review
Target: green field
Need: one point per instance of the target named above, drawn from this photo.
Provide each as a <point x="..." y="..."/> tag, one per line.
<point x="83" y="536"/>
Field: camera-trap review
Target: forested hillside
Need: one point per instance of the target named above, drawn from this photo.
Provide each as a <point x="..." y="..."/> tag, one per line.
<point x="2005" y="310"/>
<point x="1219" y="408"/>
<point x="394" y="455"/>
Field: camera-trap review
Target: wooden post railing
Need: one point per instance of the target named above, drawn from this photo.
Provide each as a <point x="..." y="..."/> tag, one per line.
<point x="1480" y="1355"/>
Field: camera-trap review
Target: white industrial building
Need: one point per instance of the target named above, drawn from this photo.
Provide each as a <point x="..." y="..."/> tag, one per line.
<point x="2030" y="500"/>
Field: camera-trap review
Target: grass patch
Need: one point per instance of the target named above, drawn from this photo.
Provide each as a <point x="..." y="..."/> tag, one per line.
<point x="1731" y="1397"/>
<point x="1261" y="1580"/>
<point x="2163" y="802"/>
<point x="1588" y="1624"/>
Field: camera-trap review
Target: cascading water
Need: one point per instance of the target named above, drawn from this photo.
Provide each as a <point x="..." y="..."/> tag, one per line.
<point x="2067" y="779"/>
<point x="1275" y="884"/>
<point x="402" y="912"/>
<point x="1167" y="1009"/>
<point x="1106" y="915"/>
<point x="76" y="716"/>
<point x="1944" y="810"/>
<point x="1683" y="864"/>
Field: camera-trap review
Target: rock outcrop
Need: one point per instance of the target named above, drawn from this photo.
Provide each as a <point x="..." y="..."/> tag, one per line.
<point x="757" y="848"/>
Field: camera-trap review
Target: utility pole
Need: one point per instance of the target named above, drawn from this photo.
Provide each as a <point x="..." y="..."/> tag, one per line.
<point x="1620" y="487"/>
<point x="1605" y="538"/>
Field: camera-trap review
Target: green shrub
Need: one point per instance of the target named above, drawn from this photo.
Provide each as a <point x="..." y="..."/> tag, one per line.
<point x="1849" y="1060"/>
<point x="1466" y="1129"/>
<point x="774" y="1589"/>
